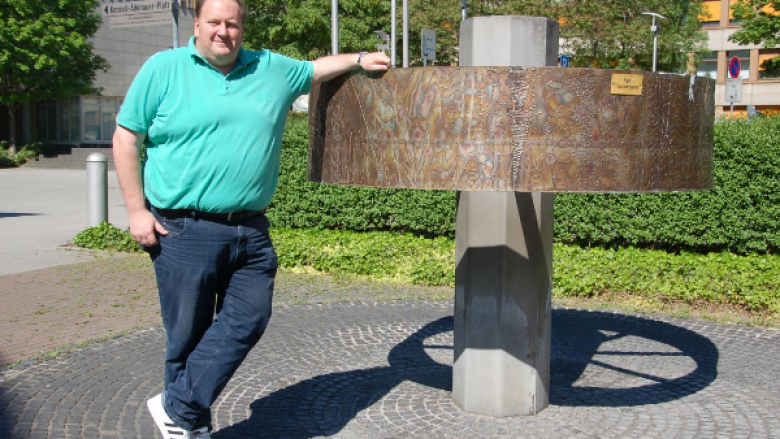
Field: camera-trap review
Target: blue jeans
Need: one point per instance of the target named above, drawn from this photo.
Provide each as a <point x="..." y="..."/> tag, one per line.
<point x="203" y="266"/>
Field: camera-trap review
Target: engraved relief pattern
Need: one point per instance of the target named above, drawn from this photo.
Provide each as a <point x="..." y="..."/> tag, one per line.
<point x="512" y="129"/>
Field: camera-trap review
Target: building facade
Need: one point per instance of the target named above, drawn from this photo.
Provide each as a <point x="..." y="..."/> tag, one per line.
<point x="91" y="120"/>
<point x="760" y="90"/>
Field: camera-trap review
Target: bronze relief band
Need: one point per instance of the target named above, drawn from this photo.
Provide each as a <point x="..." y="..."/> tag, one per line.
<point x="518" y="129"/>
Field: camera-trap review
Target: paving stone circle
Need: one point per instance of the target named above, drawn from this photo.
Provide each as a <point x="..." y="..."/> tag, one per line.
<point x="384" y="371"/>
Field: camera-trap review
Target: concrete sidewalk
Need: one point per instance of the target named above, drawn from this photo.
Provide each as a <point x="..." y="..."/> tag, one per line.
<point x="336" y="362"/>
<point x="43" y="209"/>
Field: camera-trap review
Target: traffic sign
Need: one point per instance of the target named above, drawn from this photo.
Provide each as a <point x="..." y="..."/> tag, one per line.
<point x="733" y="90"/>
<point x="429" y="44"/>
<point x="735" y="68"/>
<point x="565" y="61"/>
<point x="138" y="13"/>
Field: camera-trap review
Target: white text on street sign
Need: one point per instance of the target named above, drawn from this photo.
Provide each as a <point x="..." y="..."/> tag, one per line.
<point x="138" y="13"/>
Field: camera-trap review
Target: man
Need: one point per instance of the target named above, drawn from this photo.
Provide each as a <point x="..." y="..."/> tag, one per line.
<point x="212" y="117"/>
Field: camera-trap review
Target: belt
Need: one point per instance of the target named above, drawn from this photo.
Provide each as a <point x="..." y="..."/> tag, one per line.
<point x="238" y="216"/>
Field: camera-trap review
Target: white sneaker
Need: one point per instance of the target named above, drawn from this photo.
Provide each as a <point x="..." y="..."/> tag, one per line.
<point x="166" y="426"/>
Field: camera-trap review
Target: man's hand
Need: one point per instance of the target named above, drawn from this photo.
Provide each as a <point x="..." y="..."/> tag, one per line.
<point x="143" y="224"/>
<point x="375" y="61"/>
<point x="144" y="227"/>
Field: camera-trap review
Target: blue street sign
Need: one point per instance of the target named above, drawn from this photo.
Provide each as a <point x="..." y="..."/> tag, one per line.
<point x="735" y="68"/>
<point x="564" y="61"/>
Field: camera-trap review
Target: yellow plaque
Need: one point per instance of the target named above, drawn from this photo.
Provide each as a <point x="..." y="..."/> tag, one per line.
<point x="630" y="85"/>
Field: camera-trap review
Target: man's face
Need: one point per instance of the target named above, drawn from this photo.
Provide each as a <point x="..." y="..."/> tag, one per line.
<point x="219" y="32"/>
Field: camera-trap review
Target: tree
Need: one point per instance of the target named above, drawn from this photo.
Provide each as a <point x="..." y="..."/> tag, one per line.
<point x="598" y="33"/>
<point x="45" y="52"/>
<point x="615" y="33"/>
<point x="302" y="28"/>
<point x="760" y="20"/>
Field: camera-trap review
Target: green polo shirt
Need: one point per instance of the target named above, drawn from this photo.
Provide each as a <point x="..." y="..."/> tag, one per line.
<point x="213" y="141"/>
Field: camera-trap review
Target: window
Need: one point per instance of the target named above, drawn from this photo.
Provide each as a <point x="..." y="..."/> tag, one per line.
<point x="108" y="117"/>
<point x="744" y="60"/>
<point x="709" y="66"/>
<point x="99" y="118"/>
<point x="63" y="120"/>
<point x="711" y="16"/>
<point x="40" y="121"/>
<point x="90" y="108"/>
<point x="57" y="120"/>
<point x="765" y="55"/>
<point x="74" y="118"/>
<point x="51" y="120"/>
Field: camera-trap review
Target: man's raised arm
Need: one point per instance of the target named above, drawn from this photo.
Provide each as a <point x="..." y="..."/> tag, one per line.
<point x="328" y="67"/>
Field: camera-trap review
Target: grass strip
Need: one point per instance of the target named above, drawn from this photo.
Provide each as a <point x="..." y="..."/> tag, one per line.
<point x="749" y="282"/>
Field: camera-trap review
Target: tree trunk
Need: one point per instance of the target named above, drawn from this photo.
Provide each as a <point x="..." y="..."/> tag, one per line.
<point x="12" y="129"/>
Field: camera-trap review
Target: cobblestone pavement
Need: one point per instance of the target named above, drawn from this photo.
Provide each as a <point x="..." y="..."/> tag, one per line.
<point x="384" y="370"/>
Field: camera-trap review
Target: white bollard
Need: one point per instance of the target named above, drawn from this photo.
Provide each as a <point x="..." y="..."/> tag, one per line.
<point x="97" y="188"/>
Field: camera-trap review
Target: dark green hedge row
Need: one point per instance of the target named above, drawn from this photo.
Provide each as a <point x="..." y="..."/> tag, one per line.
<point x="741" y="214"/>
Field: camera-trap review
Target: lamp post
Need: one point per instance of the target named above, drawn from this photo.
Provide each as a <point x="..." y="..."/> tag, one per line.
<point x="655" y="29"/>
<point x="334" y="27"/>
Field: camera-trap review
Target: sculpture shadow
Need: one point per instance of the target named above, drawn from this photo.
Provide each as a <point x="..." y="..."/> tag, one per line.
<point x="323" y="405"/>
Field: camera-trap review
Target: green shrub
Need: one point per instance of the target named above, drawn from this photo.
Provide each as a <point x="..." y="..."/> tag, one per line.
<point x="106" y="237"/>
<point x="752" y="282"/>
<point x="739" y="214"/>
<point x="381" y="255"/>
<point x="25" y="153"/>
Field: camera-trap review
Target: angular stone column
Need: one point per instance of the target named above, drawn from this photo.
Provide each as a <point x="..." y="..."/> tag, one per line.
<point x="504" y="255"/>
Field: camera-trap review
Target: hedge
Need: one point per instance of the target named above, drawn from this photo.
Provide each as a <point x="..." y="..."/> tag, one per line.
<point x="738" y="215"/>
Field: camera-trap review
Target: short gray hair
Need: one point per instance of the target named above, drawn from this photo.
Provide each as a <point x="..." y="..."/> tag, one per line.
<point x="241" y="9"/>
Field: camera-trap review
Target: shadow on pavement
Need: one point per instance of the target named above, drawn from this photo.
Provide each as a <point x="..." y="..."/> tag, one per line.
<point x="16" y="214"/>
<point x="621" y="361"/>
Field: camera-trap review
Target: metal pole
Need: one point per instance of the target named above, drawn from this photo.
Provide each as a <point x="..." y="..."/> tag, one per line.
<point x="175" y="12"/>
<point x="655" y="45"/>
<point x="655" y="29"/>
<point x="406" y="33"/>
<point x="334" y="27"/>
<point x="463" y="10"/>
<point x="97" y="189"/>
<point x="393" y="14"/>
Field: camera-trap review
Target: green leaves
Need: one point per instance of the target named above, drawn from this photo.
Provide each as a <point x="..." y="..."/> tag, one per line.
<point x="760" y="21"/>
<point x="752" y="282"/>
<point x="380" y="255"/>
<point x="301" y="28"/>
<point x="45" y="54"/>
<point x="600" y="34"/>
<point x="106" y="237"/>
